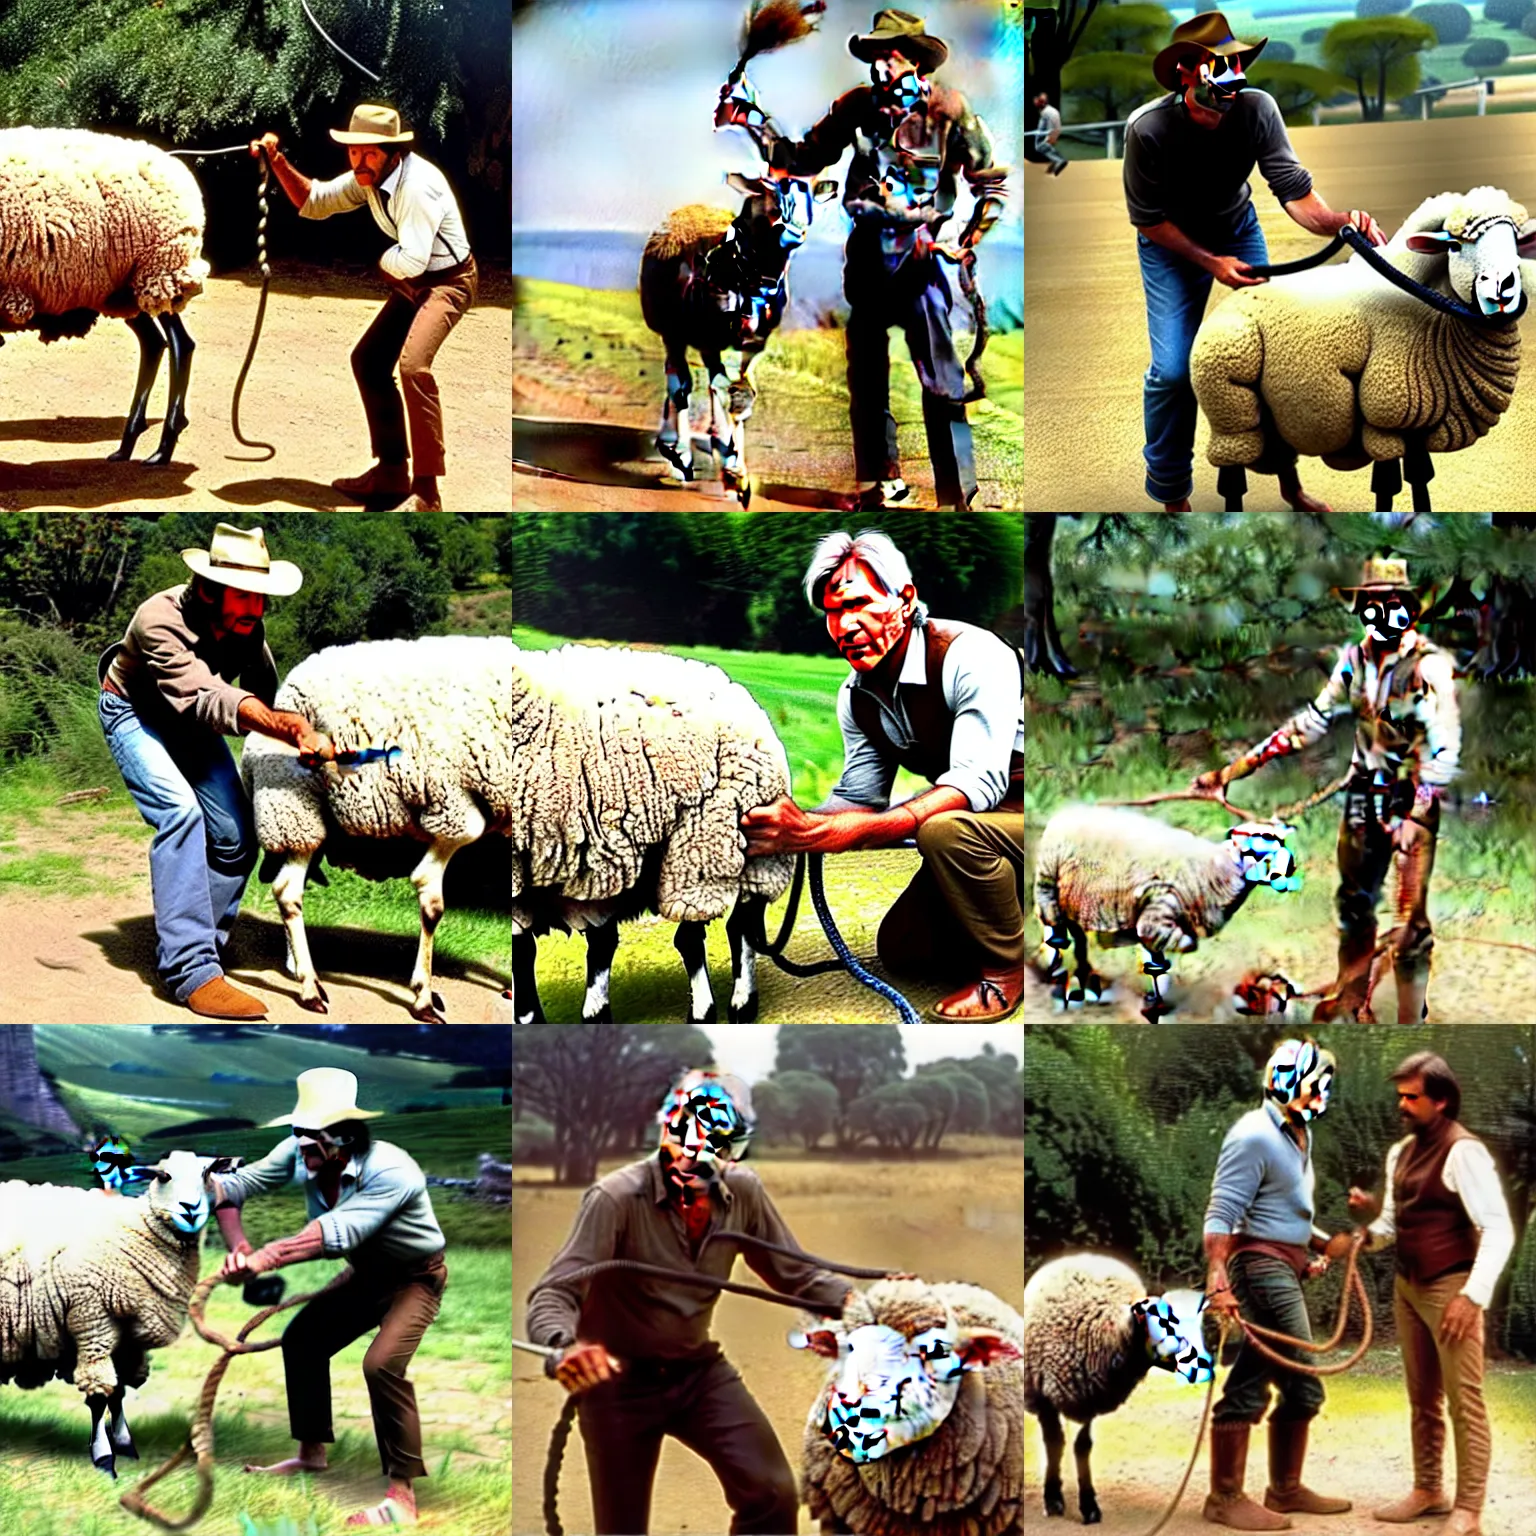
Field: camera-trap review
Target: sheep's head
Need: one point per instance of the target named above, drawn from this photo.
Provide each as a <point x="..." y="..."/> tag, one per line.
<point x="179" y="1190"/>
<point x="1170" y="1325"/>
<point x="1265" y="856"/>
<point x="891" y="1386"/>
<point x="1484" y="241"/>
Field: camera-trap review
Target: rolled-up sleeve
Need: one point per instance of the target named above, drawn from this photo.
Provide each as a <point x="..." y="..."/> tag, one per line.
<point x="554" y="1303"/>
<point x="386" y="1191"/>
<point x="340" y="194"/>
<point x="867" y="776"/>
<point x="981" y="687"/>
<point x="274" y="1171"/>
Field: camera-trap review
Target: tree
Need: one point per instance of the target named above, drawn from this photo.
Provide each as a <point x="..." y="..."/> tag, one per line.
<point x="855" y="1059"/>
<point x="892" y="1115"/>
<point x="1379" y="56"/>
<point x="793" y="1104"/>
<point x="1486" y="53"/>
<point x="1452" y="23"/>
<point x="940" y="1099"/>
<point x="1136" y="28"/>
<point x="1295" y="87"/>
<point x="1508" y="13"/>
<point x="1054" y="38"/>
<point x="1114" y="83"/>
<point x="1528" y="24"/>
<point x="1374" y="8"/>
<point x="1278" y="51"/>
<point x="1042" y="641"/>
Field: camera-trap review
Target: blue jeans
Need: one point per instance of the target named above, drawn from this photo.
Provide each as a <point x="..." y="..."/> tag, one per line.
<point x="1270" y="1295"/>
<point x="1176" y="295"/>
<point x="186" y="786"/>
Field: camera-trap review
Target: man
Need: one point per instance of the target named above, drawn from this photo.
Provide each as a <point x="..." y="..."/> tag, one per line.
<point x="1188" y="157"/>
<point x="1260" y="1240"/>
<point x="1048" y="130"/>
<point x="432" y="274"/>
<point x="1402" y="691"/>
<point x="168" y="696"/>
<point x="637" y="1349"/>
<point x="943" y="700"/>
<point x="910" y="136"/>
<point x="367" y="1201"/>
<point x="1447" y="1215"/>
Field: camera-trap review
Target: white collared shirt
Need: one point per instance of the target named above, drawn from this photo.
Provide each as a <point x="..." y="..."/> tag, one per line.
<point x="421" y="215"/>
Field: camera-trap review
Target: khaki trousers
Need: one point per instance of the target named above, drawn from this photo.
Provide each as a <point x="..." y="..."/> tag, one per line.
<point x="1443" y="1374"/>
<point x="964" y="909"/>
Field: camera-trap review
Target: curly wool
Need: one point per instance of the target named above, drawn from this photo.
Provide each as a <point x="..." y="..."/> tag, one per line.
<point x="1343" y="364"/>
<point x="690" y="229"/>
<point x="93" y="222"/>
<point x="1081" y="1353"/>
<point x="967" y="1478"/>
<point x="619" y="753"/>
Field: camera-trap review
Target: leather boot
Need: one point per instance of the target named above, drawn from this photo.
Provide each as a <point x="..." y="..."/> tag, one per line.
<point x="1287" y="1452"/>
<point x="217" y="999"/>
<point x="1463" y="1522"/>
<point x="1418" y="1505"/>
<point x="1412" y="984"/>
<point x="1227" y="1504"/>
<point x="1347" y="996"/>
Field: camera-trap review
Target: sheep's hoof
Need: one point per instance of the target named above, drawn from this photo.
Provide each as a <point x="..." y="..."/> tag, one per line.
<point x="604" y="1015"/>
<point x="1054" y="1503"/>
<point x="107" y="1464"/>
<point x="316" y="1004"/>
<point x="711" y="1016"/>
<point x="161" y="457"/>
<point x="429" y="1014"/>
<point x="1091" y="1514"/>
<point x="120" y="455"/>
<point x="746" y="1014"/>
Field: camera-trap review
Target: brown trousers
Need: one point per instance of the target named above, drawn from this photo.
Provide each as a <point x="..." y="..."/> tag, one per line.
<point x="964" y="909"/>
<point x="413" y="324"/>
<point x="1443" y="1375"/>
<point x="400" y="1303"/>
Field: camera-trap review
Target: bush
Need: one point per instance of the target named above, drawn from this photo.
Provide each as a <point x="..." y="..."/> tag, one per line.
<point x="1278" y="51"/>
<point x="1485" y="53"/>
<point x="1508" y="13"/>
<point x="1317" y="34"/>
<point x="1452" y="23"/>
<point x="1528" y="26"/>
<point x="1381" y="7"/>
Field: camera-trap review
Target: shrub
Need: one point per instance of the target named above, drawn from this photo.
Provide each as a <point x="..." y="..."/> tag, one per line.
<point x="1278" y="51"/>
<point x="1317" y="34"/>
<point x="1485" y="53"/>
<point x="1528" y="25"/>
<point x="1508" y="13"/>
<point x="1452" y="23"/>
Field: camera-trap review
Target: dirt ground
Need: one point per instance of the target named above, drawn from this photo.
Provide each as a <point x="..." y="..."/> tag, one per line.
<point x="1085" y="317"/>
<point x="1359" y="1450"/>
<point x="960" y="1218"/>
<point x="62" y="407"/>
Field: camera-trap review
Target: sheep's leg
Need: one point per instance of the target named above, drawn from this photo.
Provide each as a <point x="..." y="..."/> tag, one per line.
<point x="1156" y="966"/>
<point x="1087" y="1503"/>
<point x="1087" y="986"/>
<point x="151" y="348"/>
<point x="427" y="877"/>
<point x="1386" y="482"/>
<point x="675" y="439"/>
<point x="722" y="438"/>
<point x="1055" y="1443"/>
<point x="602" y="941"/>
<point x="688" y="941"/>
<point x="103" y="1457"/>
<point x="1232" y="486"/>
<point x="741" y="922"/>
<point x="122" y="1436"/>
<point x="526" y="1007"/>
<point x="1418" y="471"/>
<point x="288" y="893"/>
<point x="182" y="347"/>
<point x="1048" y="961"/>
<point x="743" y="397"/>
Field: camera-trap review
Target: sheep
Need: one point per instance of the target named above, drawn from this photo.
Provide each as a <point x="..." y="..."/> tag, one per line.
<point x="88" y="1285"/>
<point x="1339" y="363"/>
<point x="919" y="1426"/>
<point x="444" y="702"/>
<point x="93" y="224"/>
<point x="1091" y="1333"/>
<point x="633" y="771"/>
<point x="1128" y="877"/>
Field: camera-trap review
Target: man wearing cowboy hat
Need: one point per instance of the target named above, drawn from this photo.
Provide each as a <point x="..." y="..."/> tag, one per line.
<point x="910" y="136"/>
<point x="368" y="1202"/>
<point x="1188" y="157"/>
<point x="194" y="667"/>
<point x="1402" y="691"/>
<point x="432" y="273"/>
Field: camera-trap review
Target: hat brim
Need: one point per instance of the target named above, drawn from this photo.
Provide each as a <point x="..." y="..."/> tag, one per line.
<point x="343" y="136"/>
<point x="928" y="53"/>
<point x="283" y="579"/>
<point x="330" y="1120"/>
<point x="1165" y="65"/>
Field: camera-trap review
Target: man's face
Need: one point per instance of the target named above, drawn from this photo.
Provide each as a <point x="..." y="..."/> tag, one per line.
<point x="237" y="612"/>
<point x="1415" y="1107"/>
<point x="897" y="79"/>
<point x="1041" y="99"/>
<point x="317" y="1149"/>
<point x="1387" y="616"/>
<point x="1212" y="84"/>
<point x="863" y="619"/>
<point x="371" y="163"/>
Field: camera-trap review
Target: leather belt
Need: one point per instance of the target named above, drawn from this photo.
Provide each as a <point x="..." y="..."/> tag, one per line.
<point x="108" y="686"/>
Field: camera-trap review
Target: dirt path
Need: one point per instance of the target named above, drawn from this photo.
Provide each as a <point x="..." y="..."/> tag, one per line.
<point x="62" y="408"/>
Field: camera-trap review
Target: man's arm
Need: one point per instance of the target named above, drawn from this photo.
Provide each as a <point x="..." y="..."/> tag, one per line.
<point x="292" y="180"/>
<point x="554" y="1303"/>
<point x="790" y="1277"/>
<point x="784" y="828"/>
<point x="1218" y="1290"/>
<point x="823" y="145"/>
<point x="304" y="1245"/>
<point x="284" y="725"/>
<point x="1313" y="214"/>
<point x="1471" y="1174"/>
<point x="1228" y="270"/>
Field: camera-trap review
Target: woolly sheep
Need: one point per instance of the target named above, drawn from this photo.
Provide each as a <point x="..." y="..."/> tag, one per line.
<point x="444" y="701"/>
<point x="1131" y="878"/>
<point x="90" y="1282"/>
<point x="93" y="224"/>
<point x="633" y="771"/>
<point x="1091" y="1333"/>
<point x="919" y="1427"/>
<point x="1339" y="363"/>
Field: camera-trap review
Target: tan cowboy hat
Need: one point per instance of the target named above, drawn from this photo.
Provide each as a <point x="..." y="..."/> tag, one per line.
<point x="1381" y="575"/>
<point x="903" y="30"/>
<point x="327" y="1096"/>
<point x="1208" y="33"/>
<point x="373" y="125"/>
<point x="237" y="557"/>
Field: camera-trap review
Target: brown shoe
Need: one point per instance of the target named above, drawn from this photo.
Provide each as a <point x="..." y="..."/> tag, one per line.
<point x="1419" y="1505"/>
<point x="996" y="995"/>
<point x="1227" y="1504"/>
<point x="380" y="481"/>
<point x="216" y="999"/>
<point x="1287" y="1453"/>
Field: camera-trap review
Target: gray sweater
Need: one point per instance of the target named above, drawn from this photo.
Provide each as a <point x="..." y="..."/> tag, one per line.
<point x="1263" y="1182"/>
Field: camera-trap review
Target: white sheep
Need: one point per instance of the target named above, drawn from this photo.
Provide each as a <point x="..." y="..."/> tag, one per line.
<point x="919" y="1426"/>
<point x="89" y="1283"/>
<point x="1091" y="1333"/>
<point x="633" y="771"/>
<point x="1130" y="878"/>
<point x="444" y="702"/>
<point x="1339" y="363"/>
<point x="93" y="224"/>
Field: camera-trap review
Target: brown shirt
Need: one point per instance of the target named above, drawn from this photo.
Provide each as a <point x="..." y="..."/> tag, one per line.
<point x="170" y="661"/>
<point x="627" y="1215"/>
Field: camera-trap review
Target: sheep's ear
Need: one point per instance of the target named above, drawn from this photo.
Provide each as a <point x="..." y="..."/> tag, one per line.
<point x="820" y="1341"/>
<point x="984" y="1347"/>
<point x="1525" y="241"/>
<point x="1433" y="242"/>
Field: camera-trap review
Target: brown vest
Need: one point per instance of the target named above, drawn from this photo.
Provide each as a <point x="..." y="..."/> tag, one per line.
<point x="1435" y="1237"/>
<point x="931" y="718"/>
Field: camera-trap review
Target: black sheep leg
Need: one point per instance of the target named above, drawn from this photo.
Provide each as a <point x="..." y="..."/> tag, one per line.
<point x="121" y="1435"/>
<point x="151" y="346"/>
<point x="688" y="941"/>
<point x="102" y="1455"/>
<point x="526" y="1008"/>
<point x="1055" y="1442"/>
<point x="1087" y="1502"/>
<point x="1418" y="471"/>
<point x="1232" y="486"/>
<point x="182" y="347"/>
<point x="746" y="917"/>
<point x="602" y="942"/>
<point x="1386" y="482"/>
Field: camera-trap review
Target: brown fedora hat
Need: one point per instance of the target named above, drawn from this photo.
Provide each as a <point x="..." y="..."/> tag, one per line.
<point x="903" y="30"/>
<point x="1208" y="33"/>
<point x="373" y="125"/>
<point x="1381" y="574"/>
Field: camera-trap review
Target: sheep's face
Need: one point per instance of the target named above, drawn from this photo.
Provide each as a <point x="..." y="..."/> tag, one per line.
<point x="886" y="1390"/>
<point x="1171" y="1326"/>
<point x="1483" y="261"/>
<point x="1265" y="856"/>
<point x="179" y="1191"/>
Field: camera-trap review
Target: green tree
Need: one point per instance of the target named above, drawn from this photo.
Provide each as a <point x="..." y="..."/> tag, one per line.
<point x="796" y="1104"/>
<point x="1485" y="53"/>
<point x="893" y="1115"/>
<point x="855" y="1059"/>
<point x="1111" y="83"/>
<point x="1379" y="57"/>
<point x="1297" y="88"/>
<point x="939" y="1100"/>
<point x="1452" y="23"/>
<point x="1376" y="8"/>
<point x="1136" y="28"/>
<point x="1508" y="13"/>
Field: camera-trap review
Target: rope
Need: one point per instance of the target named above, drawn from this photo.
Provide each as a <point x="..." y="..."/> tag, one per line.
<point x="334" y="44"/>
<point x="557" y="1439"/>
<point x="261" y="310"/>
<point x="909" y="1014"/>
<point x="708" y="1282"/>
<point x="200" y="1438"/>
<point x="1205" y="1419"/>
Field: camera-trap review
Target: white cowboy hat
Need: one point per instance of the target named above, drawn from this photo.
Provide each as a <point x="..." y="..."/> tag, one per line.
<point x="327" y="1096"/>
<point x="237" y="557"/>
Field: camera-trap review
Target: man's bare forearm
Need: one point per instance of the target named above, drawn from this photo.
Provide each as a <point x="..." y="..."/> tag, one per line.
<point x="849" y="830"/>
<point x="233" y="1229"/>
<point x="298" y="1249"/>
<point x="292" y="180"/>
<point x="281" y="724"/>
<point x="1218" y="1249"/>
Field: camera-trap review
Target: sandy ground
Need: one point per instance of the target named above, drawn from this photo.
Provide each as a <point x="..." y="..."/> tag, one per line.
<point x="1085" y="317"/>
<point x="955" y="1219"/>
<point x="62" y="408"/>
<point x="1359" y="1450"/>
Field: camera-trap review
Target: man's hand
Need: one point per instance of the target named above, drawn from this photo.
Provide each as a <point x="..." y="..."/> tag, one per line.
<point x="314" y="746"/>
<point x="1365" y="224"/>
<point x="1462" y="1319"/>
<point x="1363" y="1203"/>
<point x="1219" y="1296"/>
<point x="1211" y="784"/>
<point x="1316" y="1266"/>
<point x="236" y="1268"/>
<point x="584" y="1366"/>
<point x="783" y="828"/>
<point x="1233" y="272"/>
<point x="1339" y="1245"/>
<point x="268" y="142"/>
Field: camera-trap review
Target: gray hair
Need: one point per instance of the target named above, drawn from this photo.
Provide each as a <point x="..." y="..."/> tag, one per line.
<point x="887" y="564"/>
